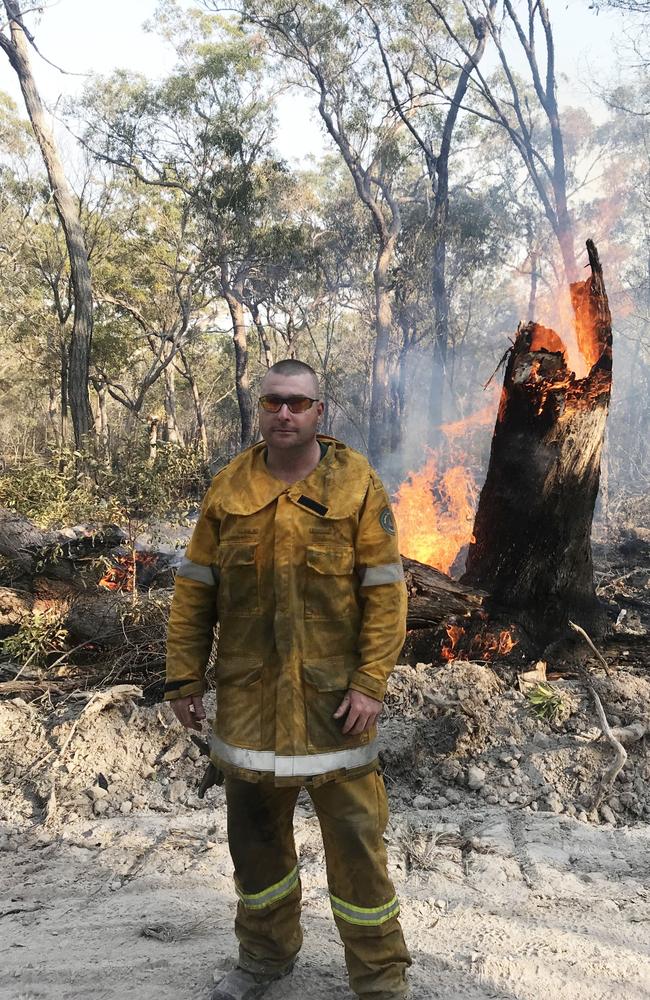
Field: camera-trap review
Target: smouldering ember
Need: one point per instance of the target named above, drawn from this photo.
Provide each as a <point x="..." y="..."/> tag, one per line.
<point x="121" y="575"/>
<point x="481" y="646"/>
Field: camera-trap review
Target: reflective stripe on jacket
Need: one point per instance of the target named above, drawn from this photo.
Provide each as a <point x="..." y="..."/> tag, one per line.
<point x="308" y="583"/>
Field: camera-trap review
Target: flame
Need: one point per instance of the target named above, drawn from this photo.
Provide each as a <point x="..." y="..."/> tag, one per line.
<point x="120" y="576"/>
<point x="448" y="649"/>
<point x="435" y="513"/>
<point x="482" y="645"/>
<point x="482" y="418"/>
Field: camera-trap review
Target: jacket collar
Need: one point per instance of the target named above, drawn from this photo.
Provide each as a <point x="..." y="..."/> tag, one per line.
<point x="335" y="489"/>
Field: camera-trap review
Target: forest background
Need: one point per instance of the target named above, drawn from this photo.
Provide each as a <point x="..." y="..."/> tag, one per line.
<point x="382" y="190"/>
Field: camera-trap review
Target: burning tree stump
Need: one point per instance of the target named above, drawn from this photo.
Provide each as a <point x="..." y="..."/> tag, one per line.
<point x="532" y="534"/>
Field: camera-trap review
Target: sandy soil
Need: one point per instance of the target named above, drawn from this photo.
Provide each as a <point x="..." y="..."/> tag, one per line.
<point x="495" y="905"/>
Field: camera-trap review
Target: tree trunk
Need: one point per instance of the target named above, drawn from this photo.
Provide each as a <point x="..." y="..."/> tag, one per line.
<point x="171" y="422"/>
<point x="242" y="384"/>
<point x="17" y="51"/>
<point x="201" y="432"/>
<point x="378" y="431"/>
<point x="532" y="533"/>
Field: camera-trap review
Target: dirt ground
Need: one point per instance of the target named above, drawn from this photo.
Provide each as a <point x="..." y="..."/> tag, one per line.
<point x="511" y="886"/>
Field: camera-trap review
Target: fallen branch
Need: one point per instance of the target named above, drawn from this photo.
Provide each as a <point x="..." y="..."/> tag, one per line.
<point x="617" y="765"/>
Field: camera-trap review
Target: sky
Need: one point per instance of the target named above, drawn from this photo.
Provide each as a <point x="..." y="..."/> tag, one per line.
<point x="102" y="35"/>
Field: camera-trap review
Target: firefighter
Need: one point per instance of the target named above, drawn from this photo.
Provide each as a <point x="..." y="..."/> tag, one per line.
<point x="295" y="554"/>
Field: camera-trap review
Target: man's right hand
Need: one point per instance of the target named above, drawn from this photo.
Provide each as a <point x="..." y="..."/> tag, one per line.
<point x="189" y="711"/>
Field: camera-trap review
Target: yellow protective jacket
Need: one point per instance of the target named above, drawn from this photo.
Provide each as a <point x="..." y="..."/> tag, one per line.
<point x="307" y="584"/>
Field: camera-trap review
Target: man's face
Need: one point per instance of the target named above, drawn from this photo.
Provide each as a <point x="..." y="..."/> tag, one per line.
<point x="285" y="429"/>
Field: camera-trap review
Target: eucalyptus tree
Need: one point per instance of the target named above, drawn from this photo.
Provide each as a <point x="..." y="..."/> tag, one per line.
<point x="427" y="89"/>
<point x="204" y="134"/>
<point x="322" y="47"/>
<point x="16" y="41"/>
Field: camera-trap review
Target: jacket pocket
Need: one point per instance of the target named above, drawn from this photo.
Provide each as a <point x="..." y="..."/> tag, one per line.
<point x="330" y="585"/>
<point x="326" y="682"/>
<point x="239" y="700"/>
<point x="239" y="592"/>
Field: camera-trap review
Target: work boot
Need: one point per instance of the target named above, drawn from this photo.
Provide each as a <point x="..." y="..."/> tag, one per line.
<point x="242" y="985"/>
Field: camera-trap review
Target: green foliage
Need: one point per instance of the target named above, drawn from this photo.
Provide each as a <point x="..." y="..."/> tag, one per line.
<point x="54" y="497"/>
<point x="547" y="702"/>
<point x="40" y="637"/>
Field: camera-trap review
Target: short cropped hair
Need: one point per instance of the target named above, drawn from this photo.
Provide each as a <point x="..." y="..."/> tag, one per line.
<point x="291" y="366"/>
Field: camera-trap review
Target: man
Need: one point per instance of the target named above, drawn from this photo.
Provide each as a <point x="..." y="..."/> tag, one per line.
<point x="295" y="553"/>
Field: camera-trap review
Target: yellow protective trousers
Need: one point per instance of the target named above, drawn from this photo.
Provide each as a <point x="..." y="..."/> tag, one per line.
<point x="353" y="816"/>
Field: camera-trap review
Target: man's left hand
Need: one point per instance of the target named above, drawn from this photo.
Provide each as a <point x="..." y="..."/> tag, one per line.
<point x="362" y="712"/>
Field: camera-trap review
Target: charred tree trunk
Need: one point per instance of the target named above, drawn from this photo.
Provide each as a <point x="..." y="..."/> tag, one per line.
<point x="532" y="547"/>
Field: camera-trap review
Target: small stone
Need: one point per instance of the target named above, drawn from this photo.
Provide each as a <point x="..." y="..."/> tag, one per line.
<point x="177" y="790"/>
<point x="475" y="777"/>
<point x="534" y="806"/>
<point x="513" y="797"/>
<point x="193" y="752"/>
<point x="97" y="792"/>
<point x="440" y="904"/>
<point x="146" y="771"/>
<point x="554" y="803"/>
<point x="505" y="758"/>
<point x="607" y="814"/>
<point x="505" y="781"/>
<point x="540" y="739"/>
<point x="115" y="885"/>
<point x="100" y="807"/>
<point x="514" y="764"/>
<point x="582" y="816"/>
<point x="492" y="799"/>
<point x="422" y="802"/>
<point x="126" y="807"/>
<point x="453" y="796"/>
<point x="139" y="801"/>
<point x="462" y="694"/>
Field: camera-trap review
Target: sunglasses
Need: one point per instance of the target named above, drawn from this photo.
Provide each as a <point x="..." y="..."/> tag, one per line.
<point x="296" y="404"/>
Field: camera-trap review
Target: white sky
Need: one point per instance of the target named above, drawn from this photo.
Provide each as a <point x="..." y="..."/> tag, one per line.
<point x="102" y="35"/>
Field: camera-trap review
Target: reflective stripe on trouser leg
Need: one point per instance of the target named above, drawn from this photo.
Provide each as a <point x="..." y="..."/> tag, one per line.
<point x="260" y="837"/>
<point x="364" y="916"/>
<point x="274" y="893"/>
<point x="353" y="816"/>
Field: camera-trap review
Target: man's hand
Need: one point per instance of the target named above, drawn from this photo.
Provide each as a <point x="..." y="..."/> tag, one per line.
<point x="189" y="711"/>
<point x="362" y="712"/>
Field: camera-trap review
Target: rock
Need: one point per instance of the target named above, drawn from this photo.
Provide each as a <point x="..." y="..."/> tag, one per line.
<point x="492" y="799"/>
<point x="505" y="781"/>
<point x="607" y="814"/>
<point x="513" y="797"/>
<point x="126" y="807"/>
<point x="100" y="806"/>
<point x="453" y="796"/>
<point x="553" y="803"/>
<point x="505" y="758"/>
<point x="582" y="816"/>
<point x="96" y="793"/>
<point x="440" y="904"/>
<point x="194" y="753"/>
<point x="146" y="771"/>
<point x="514" y="764"/>
<point x="534" y="806"/>
<point x="115" y="885"/>
<point x="476" y="777"/>
<point x="422" y="802"/>
<point x="139" y="802"/>
<point x="449" y="769"/>
<point x="540" y="739"/>
<point x="177" y="790"/>
<point x="174" y="752"/>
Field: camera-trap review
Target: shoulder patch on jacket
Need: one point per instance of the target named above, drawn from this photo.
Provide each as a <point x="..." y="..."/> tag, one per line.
<point x="387" y="520"/>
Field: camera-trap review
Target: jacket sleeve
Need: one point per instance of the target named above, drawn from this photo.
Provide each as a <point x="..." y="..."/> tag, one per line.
<point x="382" y="593"/>
<point x="193" y="614"/>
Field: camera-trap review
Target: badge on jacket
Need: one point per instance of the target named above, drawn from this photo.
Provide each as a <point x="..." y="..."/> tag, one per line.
<point x="387" y="521"/>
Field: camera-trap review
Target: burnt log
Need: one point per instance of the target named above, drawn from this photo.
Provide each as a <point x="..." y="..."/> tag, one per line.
<point x="31" y="549"/>
<point x="434" y="598"/>
<point x="532" y="533"/>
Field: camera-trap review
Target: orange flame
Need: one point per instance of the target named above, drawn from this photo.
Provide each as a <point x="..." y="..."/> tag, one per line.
<point x="120" y="576"/>
<point x="482" y="646"/>
<point x="448" y="649"/>
<point x="435" y="514"/>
